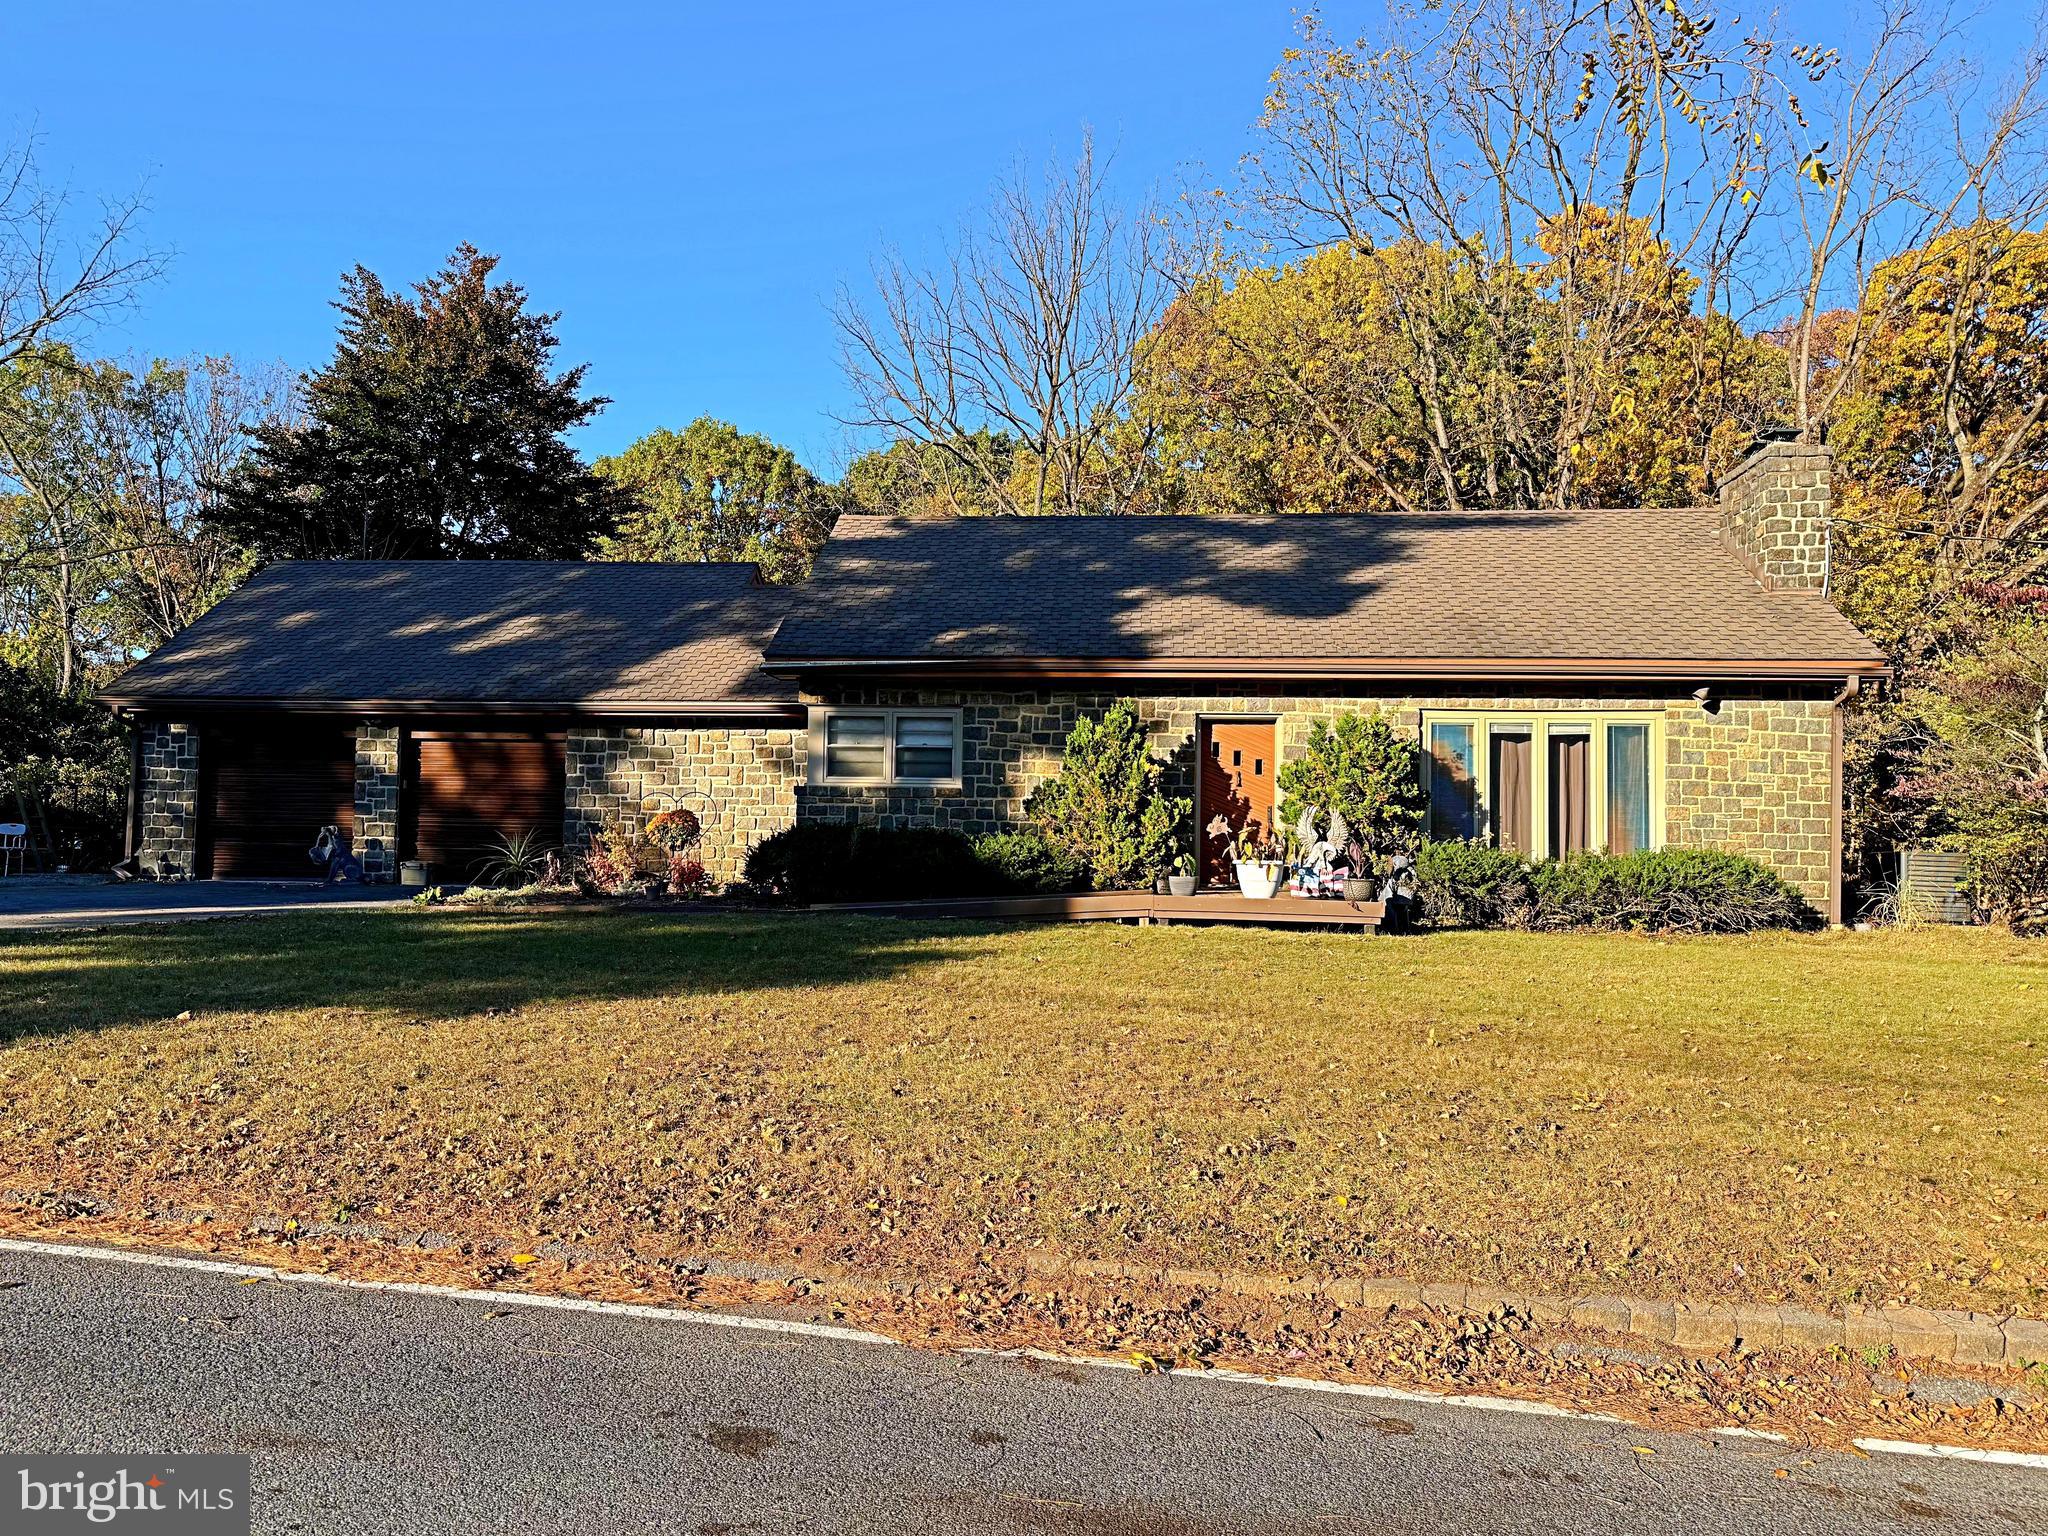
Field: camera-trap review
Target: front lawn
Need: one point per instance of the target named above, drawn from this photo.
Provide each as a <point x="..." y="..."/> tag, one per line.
<point x="1819" y="1118"/>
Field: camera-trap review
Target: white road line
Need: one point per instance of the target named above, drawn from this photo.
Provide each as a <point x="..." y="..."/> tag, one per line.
<point x="860" y="1336"/>
<point x="449" y="1292"/>
<point x="1953" y="1452"/>
<point x="1312" y="1384"/>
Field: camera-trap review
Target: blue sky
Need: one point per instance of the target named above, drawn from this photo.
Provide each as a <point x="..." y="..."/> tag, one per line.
<point x="688" y="183"/>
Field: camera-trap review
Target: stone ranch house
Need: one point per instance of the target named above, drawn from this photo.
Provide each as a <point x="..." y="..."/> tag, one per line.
<point x="1575" y="680"/>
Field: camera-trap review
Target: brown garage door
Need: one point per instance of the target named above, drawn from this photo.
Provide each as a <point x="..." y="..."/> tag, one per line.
<point x="265" y="791"/>
<point x="464" y="790"/>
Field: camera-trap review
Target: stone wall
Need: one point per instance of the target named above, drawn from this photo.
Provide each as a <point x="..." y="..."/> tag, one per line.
<point x="1757" y="776"/>
<point x="376" y="829"/>
<point x="1754" y="775"/>
<point x="1775" y="507"/>
<point x="168" y="836"/>
<point x="739" y="779"/>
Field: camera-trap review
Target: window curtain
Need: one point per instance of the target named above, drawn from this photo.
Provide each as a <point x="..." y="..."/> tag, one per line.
<point x="1571" y="759"/>
<point x="1511" y="790"/>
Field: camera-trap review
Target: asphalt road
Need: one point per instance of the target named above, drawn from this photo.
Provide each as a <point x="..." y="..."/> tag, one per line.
<point x="90" y="901"/>
<point x="376" y="1412"/>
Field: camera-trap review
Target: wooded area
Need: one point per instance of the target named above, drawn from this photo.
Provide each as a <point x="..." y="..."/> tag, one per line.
<point x="1481" y="256"/>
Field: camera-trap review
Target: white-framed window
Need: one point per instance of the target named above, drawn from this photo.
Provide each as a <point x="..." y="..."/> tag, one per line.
<point x="885" y="746"/>
<point x="1546" y="783"/>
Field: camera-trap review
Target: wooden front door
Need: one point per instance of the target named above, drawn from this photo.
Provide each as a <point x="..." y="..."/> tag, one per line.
<point x="1237" y="784"/>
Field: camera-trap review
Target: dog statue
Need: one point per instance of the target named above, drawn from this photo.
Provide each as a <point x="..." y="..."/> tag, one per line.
<point x="332" y="851"/>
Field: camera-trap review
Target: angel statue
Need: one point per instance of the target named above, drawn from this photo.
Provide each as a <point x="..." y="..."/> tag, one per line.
<point x="1314" y="872"/>
<point x="1318" y="854"/>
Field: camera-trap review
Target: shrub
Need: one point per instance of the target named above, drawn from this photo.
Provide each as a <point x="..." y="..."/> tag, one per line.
<point x="1105" y="808"/>
<point x="685" y="875"/>
<point x="1670" y="890"/>
<point x="1356" y="764"/>
<point x="1472" y="885"/>
<point x="827" y="862"/>
<point x="1025" y="862"/>
<point x="1665" y="890"/>
<point x="609" y="864"/>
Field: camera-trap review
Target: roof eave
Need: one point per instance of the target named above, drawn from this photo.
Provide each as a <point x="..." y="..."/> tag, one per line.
<point x="176" y="704"/>
<point x="1379" y="668"/>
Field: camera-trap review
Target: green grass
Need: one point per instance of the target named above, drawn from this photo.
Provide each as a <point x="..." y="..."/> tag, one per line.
<point x="1830" y="1117"/>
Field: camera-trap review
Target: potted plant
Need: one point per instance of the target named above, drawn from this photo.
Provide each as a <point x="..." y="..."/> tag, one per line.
<point x="1359" y="885"/>
<point x="1182" y="881"/>
<point x="1257" y="861"/>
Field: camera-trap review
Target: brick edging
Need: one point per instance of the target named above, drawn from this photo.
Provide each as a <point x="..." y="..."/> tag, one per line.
<point x="1917" y="1333"/>
<point x="1920" y="1333"/>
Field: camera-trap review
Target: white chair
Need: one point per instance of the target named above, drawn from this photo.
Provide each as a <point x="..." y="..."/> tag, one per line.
<point x="13" y="845"/>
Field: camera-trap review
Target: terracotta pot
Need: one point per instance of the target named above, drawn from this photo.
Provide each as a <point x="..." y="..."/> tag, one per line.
<point x="1260" y="880"/>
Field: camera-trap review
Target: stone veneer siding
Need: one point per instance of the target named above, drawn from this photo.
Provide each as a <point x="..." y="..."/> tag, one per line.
<point x="167" y="841"/>
<point x="1774" y="511"/>
<point x="1755" y="777"/>
<point x="376" y="831"/>
<point x="740" y="780"/>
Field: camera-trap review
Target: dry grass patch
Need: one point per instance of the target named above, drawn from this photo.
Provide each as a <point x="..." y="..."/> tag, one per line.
<point x="1819" y="1118"/>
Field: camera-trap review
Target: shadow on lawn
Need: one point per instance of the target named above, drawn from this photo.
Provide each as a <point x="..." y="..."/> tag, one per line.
<point x="440" y="965"/>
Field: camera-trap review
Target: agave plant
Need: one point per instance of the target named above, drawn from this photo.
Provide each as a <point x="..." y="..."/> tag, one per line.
<point x="515" y="859"/>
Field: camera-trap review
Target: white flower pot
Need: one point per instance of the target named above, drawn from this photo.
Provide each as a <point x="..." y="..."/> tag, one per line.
<point x="1260" y="880"/>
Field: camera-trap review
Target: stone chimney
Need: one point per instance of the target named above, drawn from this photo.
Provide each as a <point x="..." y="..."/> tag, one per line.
<point x="1775" y="508"/>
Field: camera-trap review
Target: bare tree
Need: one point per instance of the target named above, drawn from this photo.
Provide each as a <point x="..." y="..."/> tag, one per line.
<point x="55" y="276"/>
<point x="1020" y="343"/>
<point x="1523" y="180"/>
<point x="1880" y="161"/>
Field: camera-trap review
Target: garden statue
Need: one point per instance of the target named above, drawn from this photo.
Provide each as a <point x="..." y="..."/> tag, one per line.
<point x="1315" y="864"/>
<point x="1399" y="886"/>
<point x="1340" y="839"/>
<point x="1318" y="853"/>
<point x="332" y="851"/>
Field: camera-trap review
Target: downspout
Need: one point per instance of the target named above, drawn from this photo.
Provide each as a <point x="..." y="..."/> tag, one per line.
<point x="133" y="834"/>
<point x="1851" y="688"/>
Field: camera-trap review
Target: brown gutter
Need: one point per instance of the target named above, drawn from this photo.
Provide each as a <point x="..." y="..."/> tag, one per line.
<point x="131" y="838"/>
<point x="725" y="709"/>
<point x="1837" y="812"/>
<point x="1392" y="668"/>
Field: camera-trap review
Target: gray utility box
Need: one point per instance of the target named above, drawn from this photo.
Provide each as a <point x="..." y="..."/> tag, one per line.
<point x="1930" y="881"/>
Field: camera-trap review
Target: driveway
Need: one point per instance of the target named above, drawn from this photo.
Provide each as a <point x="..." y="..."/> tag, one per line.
<point x="370" y="1412"/>
<point x="91" y="901"/>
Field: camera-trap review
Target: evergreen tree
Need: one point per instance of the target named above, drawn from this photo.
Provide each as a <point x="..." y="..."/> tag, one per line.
<point x="435" y="431"/>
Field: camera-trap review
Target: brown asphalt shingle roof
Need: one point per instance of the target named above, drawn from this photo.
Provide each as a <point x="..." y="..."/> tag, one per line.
<point x="480" y="631"/>
<point x="1623" y="586"/>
